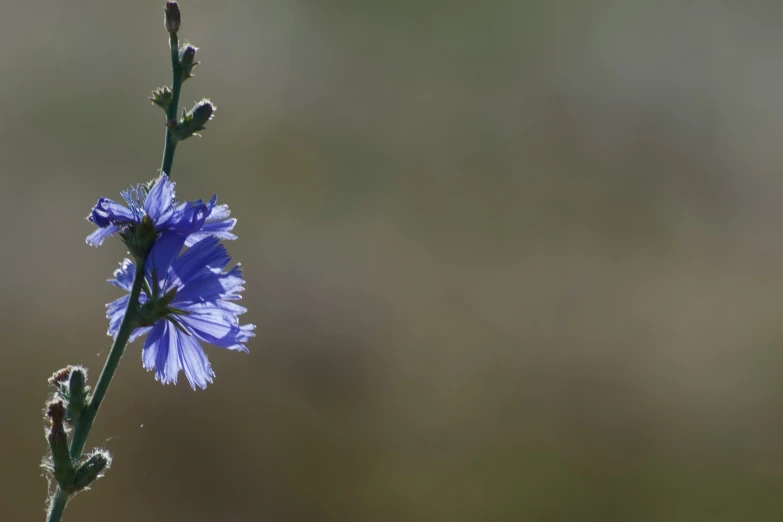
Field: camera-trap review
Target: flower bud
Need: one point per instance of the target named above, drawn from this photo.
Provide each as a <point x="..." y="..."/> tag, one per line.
<point x="172" y="17"/>
<point x="187" y="60"/>
<point x="91" y="469"/>
<point x="192" y="121"/>
<point x="55" y="410"/>
<point x="60" y="466"/>
<point x="77" y="394"/>
<point x="162" y="97"/>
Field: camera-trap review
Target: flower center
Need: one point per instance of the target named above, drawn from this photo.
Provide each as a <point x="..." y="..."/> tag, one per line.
<point x="135" y="198"/>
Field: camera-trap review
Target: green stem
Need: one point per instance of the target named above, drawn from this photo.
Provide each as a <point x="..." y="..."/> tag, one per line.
<point x="85" y="422"/>
<point x="58" y="505"/>
<point x="171" y="115"/>
<point x="117" y="349"/>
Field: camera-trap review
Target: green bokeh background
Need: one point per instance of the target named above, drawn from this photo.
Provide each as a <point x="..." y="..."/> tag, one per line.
<point x="508" y="260"/>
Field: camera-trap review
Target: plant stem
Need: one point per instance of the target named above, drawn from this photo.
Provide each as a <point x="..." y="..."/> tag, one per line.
<point x="117" y="349"/>
<point x="87" y="418"/>
<point x="171" y="115"/>
<point x="58" y="505"/>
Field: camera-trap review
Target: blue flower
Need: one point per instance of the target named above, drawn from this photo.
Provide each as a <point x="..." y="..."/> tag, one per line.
<point x="185" y="302"/>
<point x="188" y="222"/>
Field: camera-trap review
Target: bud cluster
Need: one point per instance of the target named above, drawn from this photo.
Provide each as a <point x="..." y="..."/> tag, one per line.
<point x="64" y="410"/>
<point x="184" y="60"/>
<point x="72" y="391"/>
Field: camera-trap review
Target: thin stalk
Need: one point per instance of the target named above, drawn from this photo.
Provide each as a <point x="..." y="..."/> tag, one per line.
<point x="170" y="143"/>
<point x="85" y="422"/>
<point x="58" y="505"/>
<point x="117" y="349"/>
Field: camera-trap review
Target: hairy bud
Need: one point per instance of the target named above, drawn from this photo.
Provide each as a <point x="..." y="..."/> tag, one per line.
<point x="192" y="121"/>
<point x="77" y="394"/>
<point x="172" y="17"/>
<point x="91" y="469"/>
<point x="187" y="60"/>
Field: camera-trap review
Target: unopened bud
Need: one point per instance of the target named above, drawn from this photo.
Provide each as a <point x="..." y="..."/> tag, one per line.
<point x="187" y="60"/>
<point x="192" y="121"/>
<point x="172" y="17"/>
<point x="91" y="469"/>
<point x="77" y="393"/>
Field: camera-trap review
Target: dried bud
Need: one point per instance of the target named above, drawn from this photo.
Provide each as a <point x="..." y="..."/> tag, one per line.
<point x="162" y="97"/>
<point x="192" y="121"/>
<point x="60" y="466"/>
<point x="60" y="377"/>
<point x="187" y="60"/>
<point x="91" y="469"/>
<point x="55" y="410"/>
<point x="172" y="18"/>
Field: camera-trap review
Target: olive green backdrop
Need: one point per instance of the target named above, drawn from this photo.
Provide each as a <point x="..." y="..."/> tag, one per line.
<point x="508" y="260"/>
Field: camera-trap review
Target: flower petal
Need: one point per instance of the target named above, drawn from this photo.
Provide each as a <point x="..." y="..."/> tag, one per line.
<point x="115" y="311"/>
<point x="218" y="229"/>
<point x="123" y="276"/>
<point x="204" y="257"/>
<point x="211" y="286"/>
<point x="107" y="211"/>
<point x="138" y="332"/>
<point x="161" y="352"/>
<point x="167" y="363"/>
<point x="217" y="224"/>
<point x="162" y="255"/>
<point x="217" y="326"/>
<point x="160" y="198"/>
<point x="155" y="340"/>
<point x="194" y="361"/>
<point x="96" y="238"/>
<point x="186" y="218"/>
<point x="230" y="307"/>
<point x="217" y="212"/>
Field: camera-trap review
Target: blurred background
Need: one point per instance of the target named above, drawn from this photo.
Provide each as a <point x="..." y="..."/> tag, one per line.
<point x="509" y="260"/>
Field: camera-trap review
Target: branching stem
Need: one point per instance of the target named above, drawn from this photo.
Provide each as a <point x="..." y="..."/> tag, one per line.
<point x="171" y="115"/>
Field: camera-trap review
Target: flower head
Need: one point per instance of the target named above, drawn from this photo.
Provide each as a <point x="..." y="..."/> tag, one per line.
<point x="185" y="302"/>
<point x="183" y="223"/>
